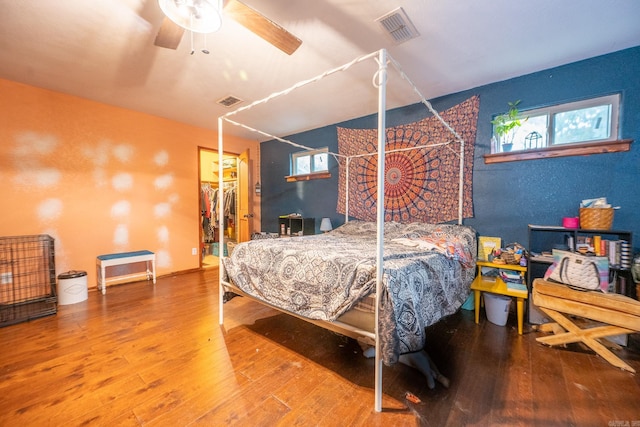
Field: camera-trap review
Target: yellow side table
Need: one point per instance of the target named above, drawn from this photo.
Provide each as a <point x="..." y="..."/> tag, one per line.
<point x="498" y="286"/>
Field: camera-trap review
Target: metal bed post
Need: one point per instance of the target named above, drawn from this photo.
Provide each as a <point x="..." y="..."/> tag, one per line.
<point x="382" y="82"/>
<point x="346" y="192"/>
<point x="220" y="223"/>
<point x="461" y="183"/>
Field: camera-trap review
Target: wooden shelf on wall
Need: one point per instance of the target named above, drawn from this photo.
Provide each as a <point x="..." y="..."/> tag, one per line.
<point x="560" y="151"/>
<point x="308" y="177"/>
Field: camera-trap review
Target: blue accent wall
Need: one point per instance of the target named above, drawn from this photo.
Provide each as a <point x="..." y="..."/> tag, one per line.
<point x="506" y="196"/>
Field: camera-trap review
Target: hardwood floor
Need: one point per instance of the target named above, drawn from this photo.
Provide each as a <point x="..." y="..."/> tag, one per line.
<point x="145" y="355"/>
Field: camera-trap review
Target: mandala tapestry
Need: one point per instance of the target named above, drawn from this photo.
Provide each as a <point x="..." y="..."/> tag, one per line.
<point x="421" y="184"/>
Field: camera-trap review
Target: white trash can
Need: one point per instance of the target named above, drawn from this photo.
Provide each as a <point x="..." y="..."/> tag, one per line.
<point x="497" y="308"/>
<point x="72" y="287"/>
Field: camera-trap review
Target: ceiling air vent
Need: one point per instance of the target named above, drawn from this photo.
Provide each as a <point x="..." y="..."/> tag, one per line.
<point x="398" y="25"/>
<point x="229" y="101"/>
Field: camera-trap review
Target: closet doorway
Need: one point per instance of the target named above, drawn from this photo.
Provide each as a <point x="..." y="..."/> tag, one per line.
<point x="234" y="184"/>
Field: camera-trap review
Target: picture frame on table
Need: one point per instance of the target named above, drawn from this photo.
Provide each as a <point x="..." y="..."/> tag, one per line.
<point x="486" y="245"/>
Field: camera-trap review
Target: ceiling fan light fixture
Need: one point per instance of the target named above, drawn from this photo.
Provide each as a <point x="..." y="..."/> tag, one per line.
<point x="199" y="16"/>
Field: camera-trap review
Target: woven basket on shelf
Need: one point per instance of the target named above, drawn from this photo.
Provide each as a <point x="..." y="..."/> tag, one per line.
<point x="596" y="218"/>
<point x="510" y="257"/>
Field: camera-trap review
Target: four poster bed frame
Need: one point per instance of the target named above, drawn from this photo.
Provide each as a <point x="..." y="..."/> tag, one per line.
<point x="380" y="81"/>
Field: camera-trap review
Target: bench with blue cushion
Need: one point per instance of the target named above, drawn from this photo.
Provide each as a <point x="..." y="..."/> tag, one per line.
<point x="123" y="258"/>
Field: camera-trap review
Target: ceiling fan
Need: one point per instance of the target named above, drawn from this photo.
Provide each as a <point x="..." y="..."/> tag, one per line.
<point x="205" y="16"/>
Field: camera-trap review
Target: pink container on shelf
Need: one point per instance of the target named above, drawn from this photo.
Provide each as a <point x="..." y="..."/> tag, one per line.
<point x="571" y="222"/>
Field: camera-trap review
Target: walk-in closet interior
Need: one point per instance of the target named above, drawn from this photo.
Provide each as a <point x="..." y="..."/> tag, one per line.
<point x="210" y="184"/>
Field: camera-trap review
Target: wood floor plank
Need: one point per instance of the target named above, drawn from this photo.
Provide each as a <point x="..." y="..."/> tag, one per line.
<point x="475" y="394"/>
<point x="268" y="413"/>
<point x="586" y="390"/>
<point x="515" y="394"/>
<point x="74" y="376"/>
<point x="197" y="406"/>
<point x="549" y="386"/>
<point x="318" y="403"/>
<point x="247" y="403"/>
<point x="307" y="378"/>
<point x="179" y="387"/>
<point x="124" y="390"/>
<point x="155" y="355"/>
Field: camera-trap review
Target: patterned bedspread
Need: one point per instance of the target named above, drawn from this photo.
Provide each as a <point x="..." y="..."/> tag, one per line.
<point x="427" y="273"/>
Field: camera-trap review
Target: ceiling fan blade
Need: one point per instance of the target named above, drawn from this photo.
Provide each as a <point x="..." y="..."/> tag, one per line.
<point x="169" y="34"/>
<point x="262" y="26"/>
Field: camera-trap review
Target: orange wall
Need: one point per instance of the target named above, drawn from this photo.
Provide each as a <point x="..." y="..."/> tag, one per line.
<point x="101" y="179"/>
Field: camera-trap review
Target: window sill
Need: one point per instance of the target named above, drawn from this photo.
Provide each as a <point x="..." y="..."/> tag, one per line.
<point x="308" y="177"/>
<point x="561" y="151"/>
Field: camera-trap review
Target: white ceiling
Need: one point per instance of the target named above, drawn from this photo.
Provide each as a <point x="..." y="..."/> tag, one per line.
<point x="103" y="50"/>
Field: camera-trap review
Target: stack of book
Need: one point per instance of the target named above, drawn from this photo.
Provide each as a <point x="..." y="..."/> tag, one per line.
<point x="617" y="251"/>
<point x="513" y="279"/>
<point x="490" y="273"/>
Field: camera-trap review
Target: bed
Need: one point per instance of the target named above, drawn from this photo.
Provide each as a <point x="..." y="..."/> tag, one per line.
<point x="409" y="275"/>
<point x="332" y="277"/>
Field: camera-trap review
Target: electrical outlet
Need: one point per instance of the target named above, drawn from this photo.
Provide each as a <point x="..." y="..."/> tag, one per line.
<point x="194" y="251"/>
<point x="6" y="278"/>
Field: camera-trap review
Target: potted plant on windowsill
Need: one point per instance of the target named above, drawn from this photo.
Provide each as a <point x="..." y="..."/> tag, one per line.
<point x="505" y="125"/>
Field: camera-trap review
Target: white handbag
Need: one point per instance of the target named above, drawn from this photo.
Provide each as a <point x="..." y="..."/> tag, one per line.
<point x="580" y="271"/>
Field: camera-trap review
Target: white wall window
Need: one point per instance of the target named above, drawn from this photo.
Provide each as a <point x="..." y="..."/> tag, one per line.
<point x="310" y="161"/>
<point x="592" y="120"/>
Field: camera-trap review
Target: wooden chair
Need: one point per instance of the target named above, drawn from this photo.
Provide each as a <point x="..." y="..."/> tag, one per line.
<point x="616" y="314"/>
